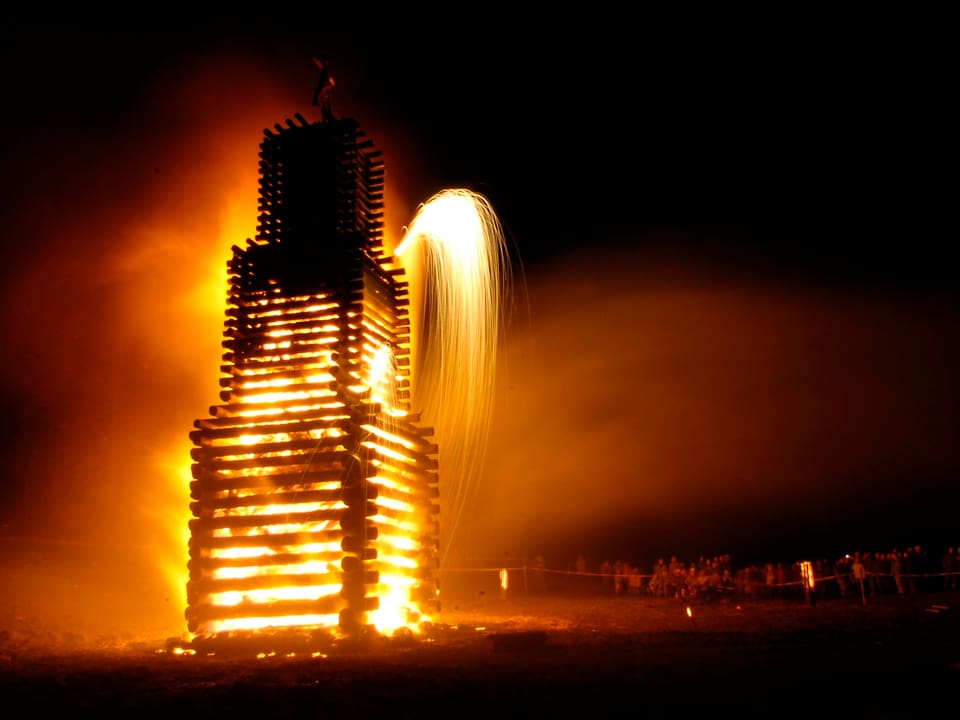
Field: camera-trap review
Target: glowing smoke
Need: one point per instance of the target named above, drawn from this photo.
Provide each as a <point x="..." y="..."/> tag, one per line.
<point x="653" y="405"/>
<point x="113" y="338"/>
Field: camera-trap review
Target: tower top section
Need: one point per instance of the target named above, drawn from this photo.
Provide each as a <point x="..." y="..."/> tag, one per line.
<point x="321" y="198"/>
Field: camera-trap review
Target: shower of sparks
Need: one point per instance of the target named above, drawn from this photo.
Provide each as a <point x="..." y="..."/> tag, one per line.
<point x="459" y="278"/>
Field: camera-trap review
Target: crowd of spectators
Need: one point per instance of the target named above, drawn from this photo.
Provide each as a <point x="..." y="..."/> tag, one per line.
<point x="862" y="574"/>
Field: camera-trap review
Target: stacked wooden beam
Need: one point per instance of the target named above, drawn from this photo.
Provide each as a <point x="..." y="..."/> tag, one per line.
<point x="314" y="490"/>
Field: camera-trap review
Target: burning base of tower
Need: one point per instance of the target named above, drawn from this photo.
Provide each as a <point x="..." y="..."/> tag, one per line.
<point x="316" y="492"/>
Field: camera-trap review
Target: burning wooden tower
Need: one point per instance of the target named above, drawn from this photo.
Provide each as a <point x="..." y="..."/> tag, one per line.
<point x="314" y="490"/>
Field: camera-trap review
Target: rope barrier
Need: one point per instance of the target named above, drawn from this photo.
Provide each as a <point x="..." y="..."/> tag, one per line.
<point x="759" y="583"/>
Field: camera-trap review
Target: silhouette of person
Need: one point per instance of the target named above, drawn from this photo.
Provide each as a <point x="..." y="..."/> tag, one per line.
<point x="321" y="95"/>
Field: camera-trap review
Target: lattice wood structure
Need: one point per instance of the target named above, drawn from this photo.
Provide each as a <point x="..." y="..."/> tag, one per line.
<point x="314" y="491"/>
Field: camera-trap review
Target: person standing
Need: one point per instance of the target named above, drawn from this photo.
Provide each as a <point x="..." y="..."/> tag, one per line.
<point x="859" y="574"/>
<point x="909" y="562"/>
<point x="896" y="570"/>
<point x="949" y="564"/>
<point x="325" y="85"/>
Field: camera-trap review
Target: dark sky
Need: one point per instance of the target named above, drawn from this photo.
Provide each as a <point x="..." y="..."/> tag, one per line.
<point x="735" y="325"/>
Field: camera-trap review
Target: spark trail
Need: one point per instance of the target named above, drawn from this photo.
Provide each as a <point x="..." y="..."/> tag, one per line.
<point x="455" y="255"/>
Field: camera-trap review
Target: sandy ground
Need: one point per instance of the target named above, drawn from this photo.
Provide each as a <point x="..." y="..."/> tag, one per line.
<point x="572" y="650"/>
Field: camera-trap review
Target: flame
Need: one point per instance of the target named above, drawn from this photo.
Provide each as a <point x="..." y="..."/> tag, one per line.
<point x="172" y="517"/>
<point x="287" y="552"/>
<point x="303" y="572"/>
<point x="205" y="301"/>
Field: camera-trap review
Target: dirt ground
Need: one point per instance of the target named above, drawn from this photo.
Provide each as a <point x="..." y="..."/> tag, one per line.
<point x="570" y="651"/>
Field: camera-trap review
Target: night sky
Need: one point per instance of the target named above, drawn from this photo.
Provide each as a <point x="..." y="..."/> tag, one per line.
<point x="734" y="326"/>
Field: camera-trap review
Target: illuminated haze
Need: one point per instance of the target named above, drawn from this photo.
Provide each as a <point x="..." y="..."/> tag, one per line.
<point x="651" y="405"/>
